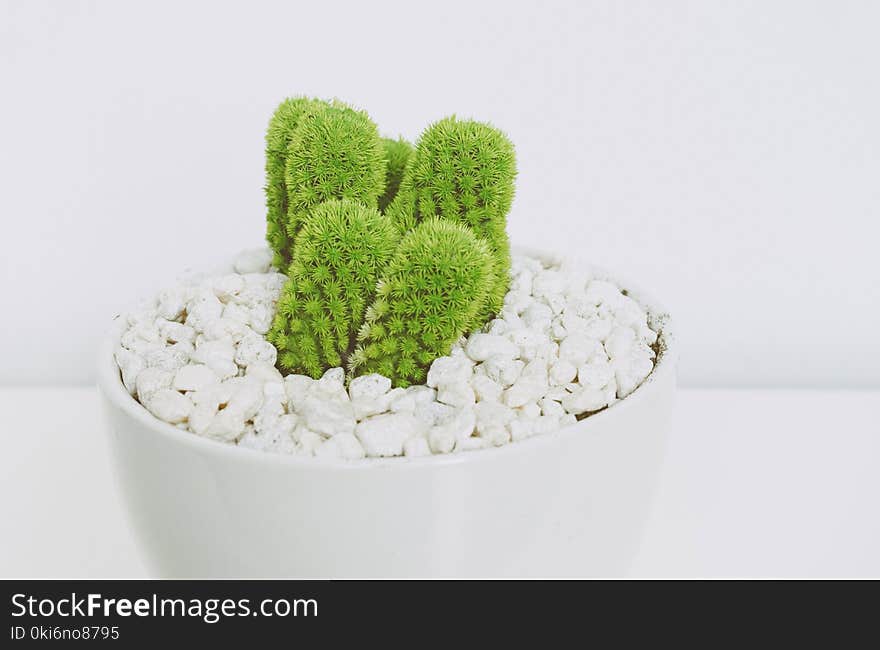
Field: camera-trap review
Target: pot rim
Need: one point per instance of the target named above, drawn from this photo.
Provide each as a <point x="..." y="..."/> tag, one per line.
<point x="109" y="383"/>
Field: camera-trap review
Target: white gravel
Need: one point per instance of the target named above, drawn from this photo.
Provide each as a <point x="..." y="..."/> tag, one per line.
<point x="565" y="345"/>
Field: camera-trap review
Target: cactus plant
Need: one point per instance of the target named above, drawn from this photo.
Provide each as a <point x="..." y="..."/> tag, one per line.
<point x="282" y="126"/>
<point x="439" y="278"/>
<point x="332" y="152"/>
<point x="442" y="238"/>
<point x="341" y="249"/>
<point x="463" y="171"/>
<point x="397" y="153"/>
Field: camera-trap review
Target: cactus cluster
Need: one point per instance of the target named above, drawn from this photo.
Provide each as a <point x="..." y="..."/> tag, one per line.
<point x="463" y="171"/>
<point x="437" y="282"/>
<point x="392" y="252"/>
<point x="317" y="151"/>
<point x="341" y="248"/>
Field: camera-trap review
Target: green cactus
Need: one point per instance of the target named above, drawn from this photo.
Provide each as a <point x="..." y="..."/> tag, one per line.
<point x="438" y="279"/>
<point x="463" y="171"/>
<point x="337" y="154"/>
<point x="391" y="292"/>
<point x="397" y="153"/>
<point x="282" y="126"/>
<point x="332" y="152"/>
<point x="341" y="249"/>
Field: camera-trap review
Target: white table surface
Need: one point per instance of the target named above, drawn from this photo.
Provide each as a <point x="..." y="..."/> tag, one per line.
<point x="757" y="483"/>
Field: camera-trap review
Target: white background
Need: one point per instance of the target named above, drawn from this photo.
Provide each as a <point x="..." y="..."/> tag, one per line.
<point x="727" y="155"/>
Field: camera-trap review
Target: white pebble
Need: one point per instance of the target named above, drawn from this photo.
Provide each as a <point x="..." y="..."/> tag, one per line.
<point x="602" y="291"/>
<point x="237" y="313"/>
<point x="131" y="365"/>
<point x="169" y="405"/>
<point x="521" y="429"/>
<point x="169" y="358"/>
<point x="421" y="395"/>
<point x="331" y="384"/>
<point x="226" y="426"/>
<point x="496" y="435"/>
<point x="512" y="319"/>
<point x="482" y="346"/>
<point x="246" y="398"/>
<point x="631" y="372"/>
<point x="527" y="340"/>
<point x="261" y="318"/>
<point x="523" y="391"/>
<point x="271" y="410"/>
<point x="629" y="314"/>
<point x="264" y="371"/>
<point x="403" y="403"/>
<point x="556" y="303"/>
<point x="201" y="417"/>
<point x="490" y="415"/>
<point x="596" y="373"/>
<point x="620" y="342"/>
<point x="152" y="380"/>
<point x="297" y="388"/>
<point x="522" y="282"/>
<point x="218" y="355"/>
<point x="133" y="342"/>
<point x="282" y="425"/>
<point x="171" y="303"/>
<point x="585" y="400"/>
<point x="577" y="349"/>
<point x="559" y="393"/>
<point x="599" y="328"/>
<point x="228" y="286"/>
<point x="551" y="407"/>
<point x="203" y="308"/>
<point x="441" y="441"/>
<point x="416" y="447"/>
<point x="548" y="283"/>
<point x="446" y="371"/>
<point x="216" y="395"/>
<point x="503" y="370"/>
<point x="529" y="411"/>
<point x="328" y="417"/>
<point x="434" y="413"/>
<point x="460" y="395"/>
<point x="174" y="332"/>
<point x="471" y="444"/>
<point x="531" y="385"/>
<point x="194" y="377"/>
<point x="309" y="442"/>
<point x="647" y="335"/>
<point x="497" y="326"/>
<point x="254" y="348"/>
<point x="547" y="352"/>
<point x="562" y="372"/>
<point x="486" y="389"/>
<point x="369" y="387"/>
<point x="537" y="316"/>
<point x="345" y="445"/>
<point x="384" y="435"/>
<point x="460" y="426"/>
<point x="225" y="328"/>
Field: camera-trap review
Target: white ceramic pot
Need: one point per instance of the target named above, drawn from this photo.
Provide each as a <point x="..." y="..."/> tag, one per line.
<point x="567" y="504"/>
